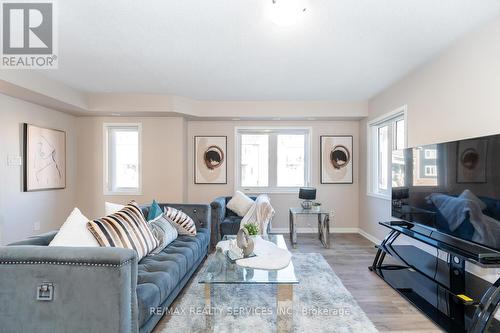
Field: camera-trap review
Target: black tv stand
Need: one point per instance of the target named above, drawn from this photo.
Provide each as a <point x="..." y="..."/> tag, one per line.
<point x="441" y="288"/>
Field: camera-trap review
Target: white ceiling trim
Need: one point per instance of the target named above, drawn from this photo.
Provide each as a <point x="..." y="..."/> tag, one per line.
<point x="35" y="88"/>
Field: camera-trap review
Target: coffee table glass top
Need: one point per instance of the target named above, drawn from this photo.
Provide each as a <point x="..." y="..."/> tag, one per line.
<point x="220" y="270"/>
<point x="315" y="211"/>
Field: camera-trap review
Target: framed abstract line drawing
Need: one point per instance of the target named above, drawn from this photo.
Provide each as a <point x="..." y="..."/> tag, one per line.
<point x="336" y="160"/>
<point x="210" y="160"/>
<point x="44" y="158"/>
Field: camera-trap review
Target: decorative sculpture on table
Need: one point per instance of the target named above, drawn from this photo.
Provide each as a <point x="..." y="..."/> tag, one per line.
<point x="245" y="242"/>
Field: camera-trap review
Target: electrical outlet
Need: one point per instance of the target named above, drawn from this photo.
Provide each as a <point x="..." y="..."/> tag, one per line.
<point x="36" y="226"/>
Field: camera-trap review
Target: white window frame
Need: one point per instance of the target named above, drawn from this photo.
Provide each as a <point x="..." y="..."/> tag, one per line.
<point x="430" y="154"/>
<point x="272" y="185"/>
<point x="106" y="167"/>
<point x="372" y="151"/>
<point x="429" y="174"/>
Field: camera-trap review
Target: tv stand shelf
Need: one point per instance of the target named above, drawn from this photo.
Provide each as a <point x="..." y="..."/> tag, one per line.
<point x="434" y="284"/>
<point x="470" y="251"/>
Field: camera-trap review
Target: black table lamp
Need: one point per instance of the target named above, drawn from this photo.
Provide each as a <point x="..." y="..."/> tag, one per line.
<point x="307" y="194"/>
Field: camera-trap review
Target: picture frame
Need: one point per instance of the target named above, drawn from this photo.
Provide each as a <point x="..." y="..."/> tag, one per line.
<point x="44" y="158"/>
<point x="210" y="160"/>
<point x="336" y="159"/>
<point x="472" y="161"/>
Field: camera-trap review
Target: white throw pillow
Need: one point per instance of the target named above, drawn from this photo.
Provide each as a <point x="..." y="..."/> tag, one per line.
<point x="74" y="232"/>
<point x="468" y="195"/>
<point x="240" y="203"/>
<point x="111" y="208"/>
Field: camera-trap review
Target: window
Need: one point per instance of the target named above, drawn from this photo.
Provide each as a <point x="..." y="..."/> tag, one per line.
<point x="430" y="154"/>
<point x="272" y="160"/>
<point x="386" y="135"/>
<point x="430" y="171"/>
<point x="254" y="160"/>
<point x="425" y="170"/>
<point x="122" y="173"/>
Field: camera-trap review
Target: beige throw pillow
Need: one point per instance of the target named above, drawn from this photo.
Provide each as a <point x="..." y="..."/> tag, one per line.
<point x="126" y="228"/>
<point x="240" y="203"/>
<point x="181" y="221"/>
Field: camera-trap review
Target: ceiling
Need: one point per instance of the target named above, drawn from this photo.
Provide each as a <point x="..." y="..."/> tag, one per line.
<point x="343" y="50"/>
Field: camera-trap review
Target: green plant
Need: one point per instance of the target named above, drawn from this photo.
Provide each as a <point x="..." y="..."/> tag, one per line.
<point x="252" y="229"/>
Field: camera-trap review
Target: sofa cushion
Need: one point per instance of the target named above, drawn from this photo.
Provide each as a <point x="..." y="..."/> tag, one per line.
<point x="493" y="207"/>
<point x="240" y="203"/>
<point x="159" y="275"/>
<point x="111" y="208"/>
<point x="147" y="297"/>
<point x="164" y="231"/>
<point x="230" y="225"/>
<point x="228" y="211"/>
<point x="469" y="195"/>
<point x="181" y="221"/>
<point x="154" y="211"/>
<point x="127" y="229"/>
<point x="74" y="232"/>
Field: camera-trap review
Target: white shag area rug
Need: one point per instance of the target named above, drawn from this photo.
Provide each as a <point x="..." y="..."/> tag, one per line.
<point x="321" y="303"/>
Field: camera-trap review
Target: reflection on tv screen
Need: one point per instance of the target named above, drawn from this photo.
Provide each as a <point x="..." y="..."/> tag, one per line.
<point x="452" y="187"/>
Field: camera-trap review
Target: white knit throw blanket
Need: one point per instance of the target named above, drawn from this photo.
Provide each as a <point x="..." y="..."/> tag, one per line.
<point x="268" y="255"/>
<point x="260" y="214"/>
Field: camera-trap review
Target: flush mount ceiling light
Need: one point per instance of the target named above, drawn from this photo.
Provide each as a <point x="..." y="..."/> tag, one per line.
<point x="285" y="13"/>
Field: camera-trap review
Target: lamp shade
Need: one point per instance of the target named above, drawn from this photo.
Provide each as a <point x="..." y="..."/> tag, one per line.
<point x="307" y="193"/>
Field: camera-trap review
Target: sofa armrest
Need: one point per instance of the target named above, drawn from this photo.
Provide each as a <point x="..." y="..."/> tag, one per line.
<point x="218" y="215"/>
<point x="94" y="289"/>
<point x="41" y="240"/>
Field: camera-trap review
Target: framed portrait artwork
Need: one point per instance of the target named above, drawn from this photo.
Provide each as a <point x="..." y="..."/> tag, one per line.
<point x="44" y="158"/>
<point x="210" y="160"/>
<point x="471" y="161"/>
<point x="336" y="160"/>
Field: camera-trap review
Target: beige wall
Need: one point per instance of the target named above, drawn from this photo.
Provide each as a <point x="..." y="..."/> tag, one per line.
<point x="167" y="162"/>
<point x="343" y="199"/>
<point x="19" y="211"/>
<point x="453" y="97"/>
<point x="163" y="162"/>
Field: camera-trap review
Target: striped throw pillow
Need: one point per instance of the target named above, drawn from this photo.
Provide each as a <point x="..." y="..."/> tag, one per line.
<point x="182" y="222"/>
<point x="127" y="229"/>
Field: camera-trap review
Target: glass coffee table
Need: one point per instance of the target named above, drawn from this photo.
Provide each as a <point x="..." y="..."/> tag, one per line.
<point x="220" y="270"/>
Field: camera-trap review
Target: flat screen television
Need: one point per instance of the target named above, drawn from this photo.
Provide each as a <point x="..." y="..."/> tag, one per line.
<point x="451" y="187"/>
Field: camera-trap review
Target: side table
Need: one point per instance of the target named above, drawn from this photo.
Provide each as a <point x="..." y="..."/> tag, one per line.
<point x="323" y="224"/>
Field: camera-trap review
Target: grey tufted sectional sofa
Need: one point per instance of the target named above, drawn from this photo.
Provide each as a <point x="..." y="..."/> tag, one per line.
<point x="95" y="289"/>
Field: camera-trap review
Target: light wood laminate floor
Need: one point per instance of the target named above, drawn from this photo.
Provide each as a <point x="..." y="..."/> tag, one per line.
<point x="349" y="256"/>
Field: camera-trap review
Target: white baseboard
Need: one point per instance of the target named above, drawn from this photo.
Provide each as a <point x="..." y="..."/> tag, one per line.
<point x="371" y="238"/>
<point x="337" y="230"/>
<point x="315" y="230"/>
